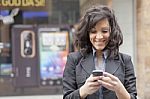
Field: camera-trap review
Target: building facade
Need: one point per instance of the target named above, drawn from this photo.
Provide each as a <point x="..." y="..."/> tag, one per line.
<point x="133" y="17"/>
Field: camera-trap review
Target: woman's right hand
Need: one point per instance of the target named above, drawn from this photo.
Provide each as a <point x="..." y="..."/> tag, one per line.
<point x="91" y="85"/>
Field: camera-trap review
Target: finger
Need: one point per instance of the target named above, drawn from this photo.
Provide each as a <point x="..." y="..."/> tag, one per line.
<point x="106" y="85"/>
<point x="93" y="84"/>
<point x="92" y="79"/>
<point x="106" y="79"/>
<point x="94" y="88"/>
<point x="89" y="79"/>
<point x="106" y="74"/>
<point x="109" y="80"/>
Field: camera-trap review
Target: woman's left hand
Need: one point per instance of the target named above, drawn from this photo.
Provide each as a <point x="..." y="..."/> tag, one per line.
<point x="111" y="82"/>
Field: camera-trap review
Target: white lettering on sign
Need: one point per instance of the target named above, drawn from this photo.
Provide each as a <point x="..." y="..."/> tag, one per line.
<point x="28" y="71"/>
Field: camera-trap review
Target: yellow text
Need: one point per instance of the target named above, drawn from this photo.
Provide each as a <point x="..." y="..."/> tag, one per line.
<point x="22" y="3"/>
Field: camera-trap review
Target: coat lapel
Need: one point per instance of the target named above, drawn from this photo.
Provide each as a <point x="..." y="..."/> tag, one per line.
<point x="112" y="65"/>
<point x="88" y="64"/>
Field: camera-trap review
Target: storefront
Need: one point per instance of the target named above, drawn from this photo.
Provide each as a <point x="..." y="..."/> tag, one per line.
<point x="35" y="38"/>
<point x="51" y="18"/>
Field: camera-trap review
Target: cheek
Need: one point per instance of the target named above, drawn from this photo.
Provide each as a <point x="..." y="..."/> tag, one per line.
<point x="91" y="38"/>
<point x="107" y="40"/>
<point x="107" y="37"/>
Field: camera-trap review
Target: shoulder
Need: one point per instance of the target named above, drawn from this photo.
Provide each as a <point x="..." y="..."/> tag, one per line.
<point x="76" y="56"/>
<point x="125" y="58"/>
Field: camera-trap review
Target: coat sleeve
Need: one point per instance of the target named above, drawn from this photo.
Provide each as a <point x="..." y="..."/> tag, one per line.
<point x="70" y="90"/>
<point x="130" y="79"/>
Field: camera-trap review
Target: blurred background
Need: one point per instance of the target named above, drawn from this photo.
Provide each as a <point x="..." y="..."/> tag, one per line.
<point x="37" y="35"/>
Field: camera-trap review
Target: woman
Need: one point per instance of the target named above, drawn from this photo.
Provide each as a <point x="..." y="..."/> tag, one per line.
<point x="99" y="37"/>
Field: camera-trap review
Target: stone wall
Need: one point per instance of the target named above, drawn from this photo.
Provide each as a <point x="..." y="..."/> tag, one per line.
<point x="143" y="49"/>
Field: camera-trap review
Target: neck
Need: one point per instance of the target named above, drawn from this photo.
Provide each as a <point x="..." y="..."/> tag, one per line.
<point x="99" y="57"/>
<point x="99" y="53"/>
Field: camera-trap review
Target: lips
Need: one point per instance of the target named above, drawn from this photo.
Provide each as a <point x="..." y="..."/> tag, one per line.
<point x="100" y="42"/>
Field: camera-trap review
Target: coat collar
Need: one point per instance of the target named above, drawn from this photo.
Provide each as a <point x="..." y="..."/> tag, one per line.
<point x="88" y="64"/>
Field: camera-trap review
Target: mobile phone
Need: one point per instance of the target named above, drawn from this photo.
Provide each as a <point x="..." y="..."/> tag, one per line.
<point x="97" y="73"/>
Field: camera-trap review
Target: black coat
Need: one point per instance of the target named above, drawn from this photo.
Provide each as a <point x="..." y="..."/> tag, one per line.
<point x="78" y="69"/>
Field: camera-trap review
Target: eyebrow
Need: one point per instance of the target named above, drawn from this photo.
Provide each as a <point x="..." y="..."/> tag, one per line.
<point x="101" y="28"/>
<point x="105" y="28"/>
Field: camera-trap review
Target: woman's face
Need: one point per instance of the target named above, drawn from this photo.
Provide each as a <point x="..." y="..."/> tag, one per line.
<point x="99" y="35"/>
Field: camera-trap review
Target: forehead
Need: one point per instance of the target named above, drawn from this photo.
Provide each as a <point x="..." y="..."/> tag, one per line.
<point x="103" y="23"/>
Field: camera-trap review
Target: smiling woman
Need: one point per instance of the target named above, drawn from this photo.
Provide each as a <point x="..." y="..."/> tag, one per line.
<point x="98" y="38"/>
<point x="99" y="35"/>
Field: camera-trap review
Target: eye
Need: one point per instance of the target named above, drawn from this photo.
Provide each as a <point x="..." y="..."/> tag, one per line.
<point x="93" y="31"/>
<point x="105" y="30"/>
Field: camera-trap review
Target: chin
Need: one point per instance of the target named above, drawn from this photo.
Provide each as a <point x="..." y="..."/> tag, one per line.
<point x="100" y="48"/>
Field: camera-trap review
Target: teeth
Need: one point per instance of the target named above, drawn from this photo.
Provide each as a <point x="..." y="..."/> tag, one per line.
<point x="99" y="42"/>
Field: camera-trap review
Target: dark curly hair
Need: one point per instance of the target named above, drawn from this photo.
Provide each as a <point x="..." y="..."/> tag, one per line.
<point x="89" y="20"/>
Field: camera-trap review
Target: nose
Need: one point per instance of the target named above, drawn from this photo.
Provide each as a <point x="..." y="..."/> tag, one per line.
<point x="99" y="35"/>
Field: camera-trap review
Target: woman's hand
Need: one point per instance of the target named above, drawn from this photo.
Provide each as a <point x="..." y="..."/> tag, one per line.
<point x="91" y="85"/>
<point x="112" y="82"/>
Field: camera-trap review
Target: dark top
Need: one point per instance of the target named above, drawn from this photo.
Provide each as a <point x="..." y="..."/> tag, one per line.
<point x="79" y="68"/>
